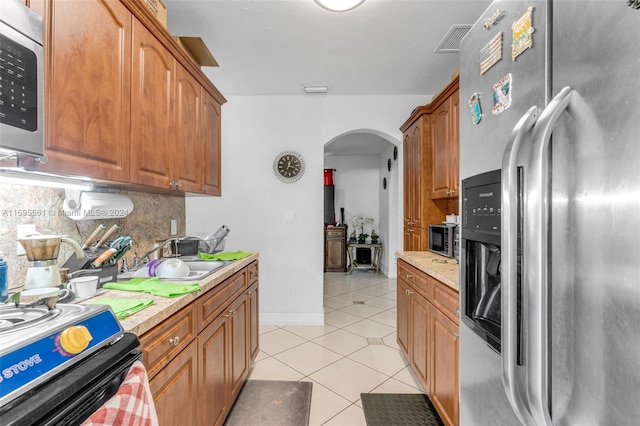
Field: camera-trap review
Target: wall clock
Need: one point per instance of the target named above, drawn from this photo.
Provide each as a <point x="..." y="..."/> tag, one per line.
<point x="289" y="166"/>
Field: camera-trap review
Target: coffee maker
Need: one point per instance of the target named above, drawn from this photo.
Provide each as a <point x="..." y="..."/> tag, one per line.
<point x="42" y="253"/>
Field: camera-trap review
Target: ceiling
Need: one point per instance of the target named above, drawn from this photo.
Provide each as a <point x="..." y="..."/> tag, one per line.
<point x="275" y="47"/>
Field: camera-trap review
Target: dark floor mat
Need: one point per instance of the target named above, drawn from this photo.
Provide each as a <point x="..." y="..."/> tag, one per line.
<point x="272" y="403"/>
<point x="399" y="409"/>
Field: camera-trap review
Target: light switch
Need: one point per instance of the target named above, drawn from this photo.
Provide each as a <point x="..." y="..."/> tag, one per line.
<point x="174" y="227"/>
<point x="289" y="216"/>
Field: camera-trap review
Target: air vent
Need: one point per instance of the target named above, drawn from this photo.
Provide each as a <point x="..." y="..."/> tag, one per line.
<point x="451" y="41"/>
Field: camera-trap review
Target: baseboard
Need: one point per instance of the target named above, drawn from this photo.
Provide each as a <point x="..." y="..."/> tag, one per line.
<point x="291" y="319"/>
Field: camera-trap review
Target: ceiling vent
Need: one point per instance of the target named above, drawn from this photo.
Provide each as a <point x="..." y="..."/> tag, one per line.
<point x="451" y="41"/>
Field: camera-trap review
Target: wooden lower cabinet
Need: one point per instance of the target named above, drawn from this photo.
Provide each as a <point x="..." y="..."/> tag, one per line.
<point x="199" y="385"/>
<point x="428" y="336"/>
<point x="175" y="388"/>
<point x="335" y="249"/>
<point x="445" y="367"/>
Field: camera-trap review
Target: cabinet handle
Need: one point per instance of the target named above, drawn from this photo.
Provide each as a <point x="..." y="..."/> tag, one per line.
<point x="458" y="313"/>
<point x="408" y="276"/>
<point x="229" y="314"/>
<point x="204" y="189"/>
<point x="409" y="292"/>
<point x="179" y="184"/>
<point x="456" y="335"/>
<point x="174" y="341"/>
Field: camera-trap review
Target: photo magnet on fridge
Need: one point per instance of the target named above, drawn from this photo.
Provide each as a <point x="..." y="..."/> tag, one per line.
<point x="474" y="107"/>
<point x="522" y="34"/>
<point x="501" y="95"/>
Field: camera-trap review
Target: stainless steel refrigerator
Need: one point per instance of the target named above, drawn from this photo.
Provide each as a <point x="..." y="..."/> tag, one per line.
<point x="550" y="94"/>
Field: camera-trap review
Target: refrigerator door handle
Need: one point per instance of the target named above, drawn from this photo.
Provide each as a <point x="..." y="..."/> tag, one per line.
<point x="536" y="240"/>
<point x="510" y="217"/>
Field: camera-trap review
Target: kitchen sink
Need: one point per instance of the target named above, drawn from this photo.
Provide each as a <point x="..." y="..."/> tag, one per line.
<point x="199" y="269"/>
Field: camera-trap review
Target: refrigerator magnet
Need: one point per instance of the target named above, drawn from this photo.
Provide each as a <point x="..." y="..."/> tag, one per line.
<point x="493" y="19"/>
<point x="522" y="31"/>
<point x="501" y="95"/>
<point x="491" y="53"/>
<point x="474" y="107"/>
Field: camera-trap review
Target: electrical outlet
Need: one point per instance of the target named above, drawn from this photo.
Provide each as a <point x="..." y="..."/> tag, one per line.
<point x="21" y="232"/>
<point x="174" y="227"/>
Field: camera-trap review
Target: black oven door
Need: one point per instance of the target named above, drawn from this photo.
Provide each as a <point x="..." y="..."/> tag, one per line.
<point x="73" y="395"/>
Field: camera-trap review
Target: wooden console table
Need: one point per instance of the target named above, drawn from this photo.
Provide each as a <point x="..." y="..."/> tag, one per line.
<point x="375" y="259"/>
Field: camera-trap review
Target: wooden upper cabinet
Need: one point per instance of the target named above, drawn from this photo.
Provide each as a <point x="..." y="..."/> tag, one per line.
<point x="212" y="139"/>
<point x="88" y="74"/>
<point x="445" y="145"/>
<point x="152" y="95"/>
<point x="187" y="145"/>
<point x="415" y="162"/>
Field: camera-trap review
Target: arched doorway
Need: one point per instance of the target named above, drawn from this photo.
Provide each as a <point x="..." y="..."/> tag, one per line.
<point x="368" y="182"/>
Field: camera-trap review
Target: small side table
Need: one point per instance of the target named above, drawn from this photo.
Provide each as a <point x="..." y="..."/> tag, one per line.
<point x="375" y="260"/>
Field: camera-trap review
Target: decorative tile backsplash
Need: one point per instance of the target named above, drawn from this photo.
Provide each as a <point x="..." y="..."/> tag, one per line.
<point x="147" y="224"/>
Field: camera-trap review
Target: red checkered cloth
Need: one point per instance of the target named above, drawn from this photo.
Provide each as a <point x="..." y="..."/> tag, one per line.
<point x="132" y="405"/>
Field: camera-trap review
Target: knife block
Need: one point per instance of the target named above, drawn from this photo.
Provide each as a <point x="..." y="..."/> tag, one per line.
<point x="107" y="273"/>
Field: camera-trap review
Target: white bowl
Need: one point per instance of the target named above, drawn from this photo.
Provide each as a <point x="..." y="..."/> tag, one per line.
<point x="173" y="268"/>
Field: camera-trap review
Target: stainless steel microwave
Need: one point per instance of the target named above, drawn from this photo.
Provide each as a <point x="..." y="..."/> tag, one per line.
<point x="21" y="79"/>
<point x="442" y="240"/>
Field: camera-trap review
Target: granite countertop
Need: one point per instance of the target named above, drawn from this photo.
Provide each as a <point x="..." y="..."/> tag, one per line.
<point x="439" y="267"/>
<point x="163" y="307"/>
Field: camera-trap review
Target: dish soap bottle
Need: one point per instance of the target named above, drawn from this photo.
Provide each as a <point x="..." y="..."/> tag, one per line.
<point x="4" y="285"/>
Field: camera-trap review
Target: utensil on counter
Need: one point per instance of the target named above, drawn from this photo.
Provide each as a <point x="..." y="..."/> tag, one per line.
<point x="93" y="236"/>
<point x="106" y="236"/>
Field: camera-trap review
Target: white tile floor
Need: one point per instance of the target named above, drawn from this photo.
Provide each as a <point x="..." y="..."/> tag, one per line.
<point x="354" y="352"/>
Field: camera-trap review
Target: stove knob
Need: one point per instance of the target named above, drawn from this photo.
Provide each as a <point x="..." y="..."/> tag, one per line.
<point x="75" y="339"/>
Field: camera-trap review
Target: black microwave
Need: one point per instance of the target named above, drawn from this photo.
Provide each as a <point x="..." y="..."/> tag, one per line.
<point x="442" y="240"/>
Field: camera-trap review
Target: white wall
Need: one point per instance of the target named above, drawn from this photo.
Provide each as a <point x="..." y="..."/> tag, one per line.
<point x="254" y="130"/>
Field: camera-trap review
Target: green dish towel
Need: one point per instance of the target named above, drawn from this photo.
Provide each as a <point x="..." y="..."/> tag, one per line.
<point x="225" y="255"/>
<point x="124" y="307"/>
<point x="154" y="286"/>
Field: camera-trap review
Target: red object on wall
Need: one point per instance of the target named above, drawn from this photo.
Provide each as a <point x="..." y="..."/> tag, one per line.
<point x="328" y="176"/>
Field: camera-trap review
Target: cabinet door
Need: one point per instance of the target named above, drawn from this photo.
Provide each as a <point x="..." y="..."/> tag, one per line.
<point x="151" y="109"/>
<point x="88" y="78"/>
<point x="254" y="324"/>
<point x="415" y="239"/>
<point x="239" y="343"/>
<point x="215" y="387"/>
<point x="454" y="144"/>
<point x="403" y="310"/>
<point x="445" y="368"/>
<point x="441" y="153"/>
<point x="175" y="388"/>
<point x="212" y="119"/>
<point x="413" y="174"/>
<point x="421" y="341"/>
<point x="187" y="145"/>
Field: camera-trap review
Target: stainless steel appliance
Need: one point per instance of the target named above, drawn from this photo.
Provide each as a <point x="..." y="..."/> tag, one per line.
<point x="480" y="304"/>
<point x="547" y="89"/>
<point x="441" y="239"/>
<point x="60" y="365"/>
<point x="21" y="79"/>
